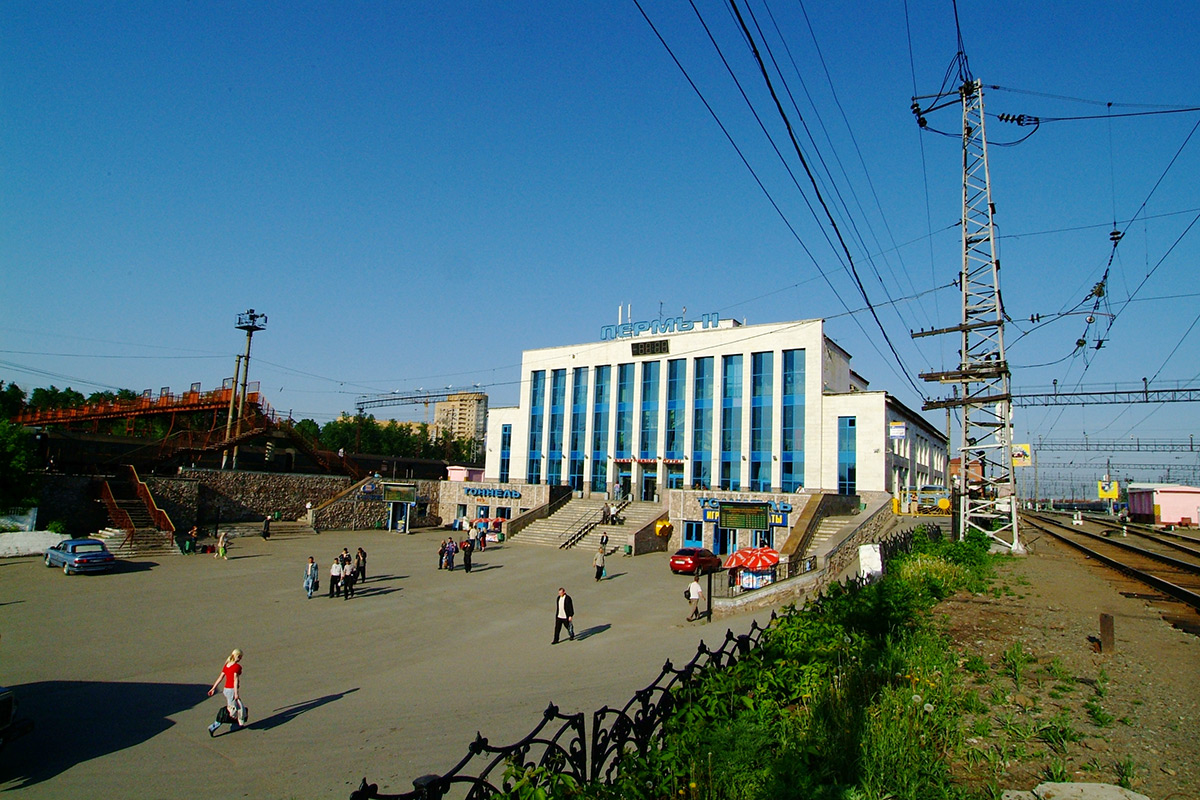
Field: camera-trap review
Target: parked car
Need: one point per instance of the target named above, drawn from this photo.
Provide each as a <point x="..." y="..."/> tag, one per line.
<point x="694" y="561"/>
<point x="80" y="555"/>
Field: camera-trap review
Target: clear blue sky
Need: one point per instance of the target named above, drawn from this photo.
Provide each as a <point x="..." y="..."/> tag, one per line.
<point x="414" y="195"/>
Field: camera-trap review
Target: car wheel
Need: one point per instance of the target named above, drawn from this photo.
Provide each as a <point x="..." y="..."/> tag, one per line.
<point x="66" y="569"/>
<point x="48" y="564"/>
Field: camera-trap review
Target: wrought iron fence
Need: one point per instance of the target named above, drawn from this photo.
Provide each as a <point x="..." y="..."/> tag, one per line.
<point x="488" y="770"/>
<point x="735" y="582"/>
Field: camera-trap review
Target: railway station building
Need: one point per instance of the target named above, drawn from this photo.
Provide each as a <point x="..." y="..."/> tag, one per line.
<point x="710" y="406"/>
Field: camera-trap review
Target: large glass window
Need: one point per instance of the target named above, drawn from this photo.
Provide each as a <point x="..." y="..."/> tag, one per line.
<point x="505" y="454"/>
<point x="762" y="375"/>
<point x="648" y="435"/>
<point x="537" y="416"/>
<point x="600" y="430"/>
<point x="554" y="441"/>
<point x="792" y="450"/>
<point x="578" y="439"/>
<point x="847" y="456"/>
<point x="731" y="423"/>
<point x="624" y="442"/>
<point x="702" y="420"/>
<point x="676" y="408"/>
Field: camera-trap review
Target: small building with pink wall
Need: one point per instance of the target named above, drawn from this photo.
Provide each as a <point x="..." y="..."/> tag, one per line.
<point x="1164" y="504"/>
<point x="460" y="474"/>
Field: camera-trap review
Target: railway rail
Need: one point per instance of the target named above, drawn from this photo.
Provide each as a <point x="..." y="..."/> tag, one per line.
<point x="1170" y="568"/>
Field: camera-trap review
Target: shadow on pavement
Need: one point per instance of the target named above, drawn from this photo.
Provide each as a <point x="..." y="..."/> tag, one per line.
<point x="77" y="721"/>
<point x="485" y="567"/>
<point x="381" y="578"/>
<point x="614" y="576"/>
<point x="371" y="591"/>
<point x="595" y="630"/>
<point x="124" y="567"/>
<point x="284" y="715"/>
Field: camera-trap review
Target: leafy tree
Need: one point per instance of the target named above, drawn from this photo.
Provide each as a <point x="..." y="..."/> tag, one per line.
<point x="12" y="400"/>
<point x="43" y="399"/>
<point x="17" y="483"/>
<point x="309" y="428"/>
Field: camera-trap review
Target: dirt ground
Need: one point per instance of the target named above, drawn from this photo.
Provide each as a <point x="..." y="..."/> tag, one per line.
<point x="1134" y="713"/>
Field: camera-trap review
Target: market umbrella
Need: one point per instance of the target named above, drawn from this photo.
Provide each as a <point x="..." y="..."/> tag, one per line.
<point x="753" y="558"/>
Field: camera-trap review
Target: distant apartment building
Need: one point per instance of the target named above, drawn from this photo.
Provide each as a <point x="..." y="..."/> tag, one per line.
<point x="462" y="415"/>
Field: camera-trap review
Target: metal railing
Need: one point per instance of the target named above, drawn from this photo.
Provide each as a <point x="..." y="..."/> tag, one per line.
<point x="587" y="523"/>
<point x="159" y="517"/>
<point x="566" y="750"/>
<point x="119" y="516"/>
<point x="735" y="585"/>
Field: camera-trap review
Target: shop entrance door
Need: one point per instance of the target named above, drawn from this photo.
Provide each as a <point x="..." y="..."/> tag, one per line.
<point x="649" y="487"/>
<point x="625" y="480"/>
<point x="724" y="541"/>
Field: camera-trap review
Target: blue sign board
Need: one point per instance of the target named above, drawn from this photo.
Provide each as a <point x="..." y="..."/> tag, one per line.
<point x="659" y="326"/>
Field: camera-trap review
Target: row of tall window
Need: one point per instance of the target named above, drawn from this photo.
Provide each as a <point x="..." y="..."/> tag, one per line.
<point x="614" y="402"/>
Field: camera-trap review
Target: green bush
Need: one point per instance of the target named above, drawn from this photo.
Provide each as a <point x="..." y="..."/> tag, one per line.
<point x="57" y="526"/>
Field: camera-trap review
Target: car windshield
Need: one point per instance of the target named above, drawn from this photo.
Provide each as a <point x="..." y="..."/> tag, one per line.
<point x="89" y="548"/>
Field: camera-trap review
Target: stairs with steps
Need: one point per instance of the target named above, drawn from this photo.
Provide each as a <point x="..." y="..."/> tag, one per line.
<point x="555" y="529"/>
<point x="146" y="542"/>
<point x="827" y="529"/>
<point x="280" y="529"/>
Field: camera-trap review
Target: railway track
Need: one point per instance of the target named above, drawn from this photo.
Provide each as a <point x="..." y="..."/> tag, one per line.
<point x="1144" y="560"/>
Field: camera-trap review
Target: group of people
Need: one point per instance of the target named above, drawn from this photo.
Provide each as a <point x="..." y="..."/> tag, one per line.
<point x="449" y="548"/>
<point x="608" y="514"/>
<point x="345" y="571"/>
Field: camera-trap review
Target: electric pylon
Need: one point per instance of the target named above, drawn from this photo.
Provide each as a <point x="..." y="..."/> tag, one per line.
<point x="987" y="498"/>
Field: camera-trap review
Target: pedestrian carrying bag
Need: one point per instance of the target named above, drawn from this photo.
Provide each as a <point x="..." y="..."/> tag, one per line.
<point x="687" y="595"/>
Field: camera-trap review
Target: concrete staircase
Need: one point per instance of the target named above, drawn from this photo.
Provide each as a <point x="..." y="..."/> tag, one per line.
<point x="828" y="529"/>
<point x="555" y="529"/>
<point x="146" y="542"/>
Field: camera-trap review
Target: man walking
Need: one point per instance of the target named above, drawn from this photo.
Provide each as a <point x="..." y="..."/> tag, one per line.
<point x="695" y="594"/>
<point x="564" y="614"/>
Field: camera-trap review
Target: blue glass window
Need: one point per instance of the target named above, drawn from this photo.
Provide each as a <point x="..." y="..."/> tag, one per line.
<point x="554" y="441"/>
<point x="847" y="456"/>
<point x="537" y="416"/>
<point x="762" y="374"/>
<point x="505" y="454"/>
<point x="731" y="422"/>
<point x="578" y="440"/>
<point x="600" y="430"/>
<point x="792" y="449"/>
<point x="702" y="420"/>
<point x="676" y="409"/>
<point x="648" y="435"/>
<point x="624" y="411"/>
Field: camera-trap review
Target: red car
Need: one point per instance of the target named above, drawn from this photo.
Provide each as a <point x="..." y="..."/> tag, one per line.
<point x="694" y="561"/>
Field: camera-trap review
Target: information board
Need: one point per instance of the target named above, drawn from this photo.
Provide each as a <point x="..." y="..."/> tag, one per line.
<point x="744" y="516"/>
<point x="400" y="492"/>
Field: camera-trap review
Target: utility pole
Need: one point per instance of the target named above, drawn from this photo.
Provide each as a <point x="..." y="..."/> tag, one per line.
<point x="237" y="370"/>
<point x="987" y="499"/>
<point x="248" y="322"/>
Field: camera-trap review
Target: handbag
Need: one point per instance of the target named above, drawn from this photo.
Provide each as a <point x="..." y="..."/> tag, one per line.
<point x="687" y="595"/>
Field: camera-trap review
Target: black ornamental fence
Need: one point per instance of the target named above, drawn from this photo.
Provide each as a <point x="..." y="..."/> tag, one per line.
<point x="560" y="744"/>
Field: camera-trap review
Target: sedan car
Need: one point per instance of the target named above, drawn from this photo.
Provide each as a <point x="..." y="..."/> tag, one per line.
<point x="694" y="561"/>
<point x="80" y="555"/>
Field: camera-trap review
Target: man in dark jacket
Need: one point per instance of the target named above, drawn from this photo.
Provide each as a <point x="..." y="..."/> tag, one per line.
<point x="564" y="613"/>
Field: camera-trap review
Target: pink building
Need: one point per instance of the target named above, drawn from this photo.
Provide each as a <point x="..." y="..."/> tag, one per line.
<point x="1164" y="504"/>
<point x="457" y="473"/>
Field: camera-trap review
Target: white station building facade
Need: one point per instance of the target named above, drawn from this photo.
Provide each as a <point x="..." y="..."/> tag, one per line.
<point x="707" y="404"/>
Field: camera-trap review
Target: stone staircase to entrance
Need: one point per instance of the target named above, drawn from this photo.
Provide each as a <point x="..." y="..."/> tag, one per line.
<point x="146" y="542"/>
<point x="555" y="529"/>
<point x="827" y="529"/>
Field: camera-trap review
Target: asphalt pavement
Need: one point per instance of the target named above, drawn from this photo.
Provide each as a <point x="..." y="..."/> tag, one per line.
<point x="392" y="684"/>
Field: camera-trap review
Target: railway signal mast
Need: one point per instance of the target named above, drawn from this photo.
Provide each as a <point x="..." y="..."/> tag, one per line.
<point x="987" y="498"/>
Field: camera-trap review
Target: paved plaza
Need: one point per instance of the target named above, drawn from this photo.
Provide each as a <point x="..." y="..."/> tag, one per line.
<point x="115" y="669"/>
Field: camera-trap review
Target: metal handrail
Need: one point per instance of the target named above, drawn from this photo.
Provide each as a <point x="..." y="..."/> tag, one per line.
<point x="118" y="515"/>
<point x="161" y="519"/>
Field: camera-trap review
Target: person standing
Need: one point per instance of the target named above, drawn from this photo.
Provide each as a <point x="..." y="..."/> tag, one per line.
<point x="335" y="576"/>
<point x="266" y="534"/>
<point x="442" y="555"/>
<point x="360" y="565"/>
<point x="231" y="674"/>
<point x="564" y="615"/>
<point x="598" y="563"/>
<point x="451" y="549"/>
<point x="467" y="548"/>
<point x="311" y="577"/>
<point x="347" y="581"/>
<point x="694" y="595"/>
<point x="604" y="540"/>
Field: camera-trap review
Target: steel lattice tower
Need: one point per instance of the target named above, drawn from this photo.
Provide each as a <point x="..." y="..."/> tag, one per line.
<point x="987" y="491"/>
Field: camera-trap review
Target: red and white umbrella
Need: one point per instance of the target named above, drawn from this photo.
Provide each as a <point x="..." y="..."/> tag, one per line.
<point x="753" y="558"/>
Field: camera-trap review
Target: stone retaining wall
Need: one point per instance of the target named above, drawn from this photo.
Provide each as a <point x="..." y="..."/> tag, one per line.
<point x="71" y="500"/>
<point x="358" y="511"/>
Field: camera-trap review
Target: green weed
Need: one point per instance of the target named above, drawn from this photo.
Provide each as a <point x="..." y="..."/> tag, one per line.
<point x="1126" y="770"/>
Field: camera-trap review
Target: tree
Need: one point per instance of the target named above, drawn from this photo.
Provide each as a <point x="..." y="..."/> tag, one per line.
<point x="53" y="397"/>
<point x="17" y="482"/>
<point x="309" y="428"/>
<point x="12" y="400"/>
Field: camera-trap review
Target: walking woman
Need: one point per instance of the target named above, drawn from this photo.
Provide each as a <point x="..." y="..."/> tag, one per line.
<point x="598" y="563"/>
<point x="231" y="673"/>
<point x="311" y="577"/>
